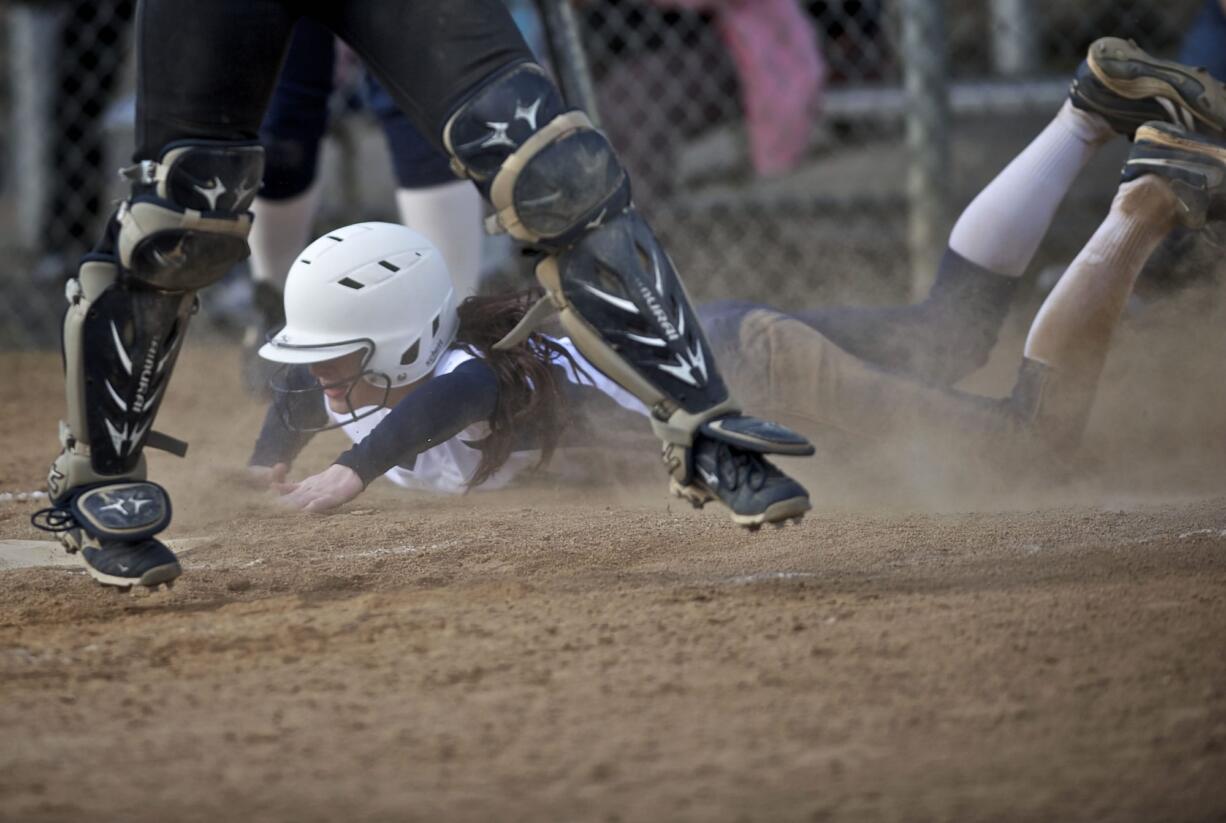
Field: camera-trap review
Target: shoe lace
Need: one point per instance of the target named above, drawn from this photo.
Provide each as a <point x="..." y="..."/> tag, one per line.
<point x="53" y="519"/>
<point x="742" y="467"/>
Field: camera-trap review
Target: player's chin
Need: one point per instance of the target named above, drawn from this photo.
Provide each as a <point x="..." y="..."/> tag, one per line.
<point x="338" y="399"/>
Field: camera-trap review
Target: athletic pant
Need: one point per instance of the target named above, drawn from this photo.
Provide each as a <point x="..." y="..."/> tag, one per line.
<point x="1205" y="42"/>
<point x="784" y="368"/>
<point x="208" y="67"/>
<point x="297" y="118"/>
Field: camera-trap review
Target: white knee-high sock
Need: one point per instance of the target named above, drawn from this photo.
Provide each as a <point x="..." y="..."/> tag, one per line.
<point x="1072" y="332"/>
<point x="450" y="217"/>
<point x="1001" y="229"/>
<point x="280" y="232"/>
<point x="1073" y="327"/>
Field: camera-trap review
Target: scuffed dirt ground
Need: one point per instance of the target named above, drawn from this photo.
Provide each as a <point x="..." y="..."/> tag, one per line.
<point x="589" y="652"/>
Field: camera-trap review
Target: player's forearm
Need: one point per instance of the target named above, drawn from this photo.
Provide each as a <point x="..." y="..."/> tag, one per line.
<point x="433" y="414"/>
<point x="277" y="443"/>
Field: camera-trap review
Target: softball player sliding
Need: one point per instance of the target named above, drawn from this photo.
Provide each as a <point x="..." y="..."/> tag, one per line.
<point x="374" y="344"/>
<point x="431" y="403"/>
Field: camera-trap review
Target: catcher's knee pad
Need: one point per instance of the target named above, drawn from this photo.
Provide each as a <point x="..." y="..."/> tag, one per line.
<point x="187" y="220"/>
<point x="549" y="173"/>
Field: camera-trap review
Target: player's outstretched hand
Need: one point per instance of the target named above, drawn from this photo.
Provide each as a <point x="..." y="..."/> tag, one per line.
<point x="332" y="487"/>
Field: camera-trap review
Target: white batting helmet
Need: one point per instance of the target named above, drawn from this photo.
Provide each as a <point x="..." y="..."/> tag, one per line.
<point x="378" y="287"/>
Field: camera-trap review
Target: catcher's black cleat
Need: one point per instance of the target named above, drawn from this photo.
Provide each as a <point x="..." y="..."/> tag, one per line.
<point x="144" y="563"/>
<point x="112" y="525"/>
<point x="1193" y="164"/>
<point x="744" y="481"/>
<point x="1128" y="88"/>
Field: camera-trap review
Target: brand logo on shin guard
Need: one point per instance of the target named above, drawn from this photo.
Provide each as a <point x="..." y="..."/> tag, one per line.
<point x="124" y="437"/>
<point x="657" y="311"/>
<point x="145" y="378"/>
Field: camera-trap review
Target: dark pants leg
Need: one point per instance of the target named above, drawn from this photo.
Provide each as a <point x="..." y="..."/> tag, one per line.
<point x="939" y="340"/>
<point x="297" y="115"/>
<point x="429" y="55"/>
<point x="795" y="373"/>
<point x="1205" y="42"/>
<point x="207" y="68"/>
<point x="417" y="163"/>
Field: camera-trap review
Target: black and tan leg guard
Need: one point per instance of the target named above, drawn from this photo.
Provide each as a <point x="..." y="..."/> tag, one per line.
<point x="555" y="183"/>
<point x="183" y="227"/>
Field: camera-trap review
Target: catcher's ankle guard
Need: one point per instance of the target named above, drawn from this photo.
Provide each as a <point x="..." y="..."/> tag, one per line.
<point x="109" y="511"/>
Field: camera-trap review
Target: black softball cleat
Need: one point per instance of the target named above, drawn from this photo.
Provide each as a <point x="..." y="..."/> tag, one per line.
<point x="745" y="482"/>
<point x="1194" y="165"/>
<point x="123" y="565"/>
<point x="1128" y="88"/>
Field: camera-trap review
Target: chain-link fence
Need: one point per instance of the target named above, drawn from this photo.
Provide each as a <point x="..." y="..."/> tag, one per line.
<point x="792" y="151"/>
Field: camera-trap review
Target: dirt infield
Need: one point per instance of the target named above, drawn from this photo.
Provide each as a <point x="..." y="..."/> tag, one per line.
<point x="590" y="652"/>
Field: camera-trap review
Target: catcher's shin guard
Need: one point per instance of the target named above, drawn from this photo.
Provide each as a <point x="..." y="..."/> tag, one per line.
<point x="556" y="183"/>
<point x="185" y="224"/>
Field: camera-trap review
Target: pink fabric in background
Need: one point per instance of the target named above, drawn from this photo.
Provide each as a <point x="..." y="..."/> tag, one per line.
<point x="781" y="71"/>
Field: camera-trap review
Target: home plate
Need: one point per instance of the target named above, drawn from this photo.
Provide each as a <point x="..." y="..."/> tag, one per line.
<point x="40" y="554"/>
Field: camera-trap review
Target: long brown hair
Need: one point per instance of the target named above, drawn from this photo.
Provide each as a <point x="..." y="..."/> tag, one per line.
<point x="530" y="381"/>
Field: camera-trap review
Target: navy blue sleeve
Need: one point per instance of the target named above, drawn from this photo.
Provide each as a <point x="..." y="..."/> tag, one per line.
<point x="278" y="443"/>
<point x="442" y="408"/>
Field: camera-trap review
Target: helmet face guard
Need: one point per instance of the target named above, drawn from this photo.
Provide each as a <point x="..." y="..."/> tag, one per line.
<point x="298" y="396"/>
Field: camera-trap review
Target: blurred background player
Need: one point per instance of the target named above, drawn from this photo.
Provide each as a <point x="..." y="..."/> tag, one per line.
<point x="414" y="380"/>
<point x="464" y="75"/>
<point x="1205" y="41"/>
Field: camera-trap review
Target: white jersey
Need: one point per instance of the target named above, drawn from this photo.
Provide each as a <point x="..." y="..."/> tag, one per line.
<point x="448" y="466"/>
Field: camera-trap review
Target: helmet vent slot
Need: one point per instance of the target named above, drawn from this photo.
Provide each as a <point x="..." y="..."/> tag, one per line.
<point x="337" y="239"/>
<point x="410" y="354"/>
<point x="349" y="282"/>
<point x="389" y="266"/>
<point x="434" y="328"/>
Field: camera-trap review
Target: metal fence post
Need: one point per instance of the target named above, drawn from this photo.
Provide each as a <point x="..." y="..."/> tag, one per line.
<point x="924" y="51"/>
<point x="569" y="57"/>
<point x="33" y="33"/>
<point x="1014" y="32"/>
